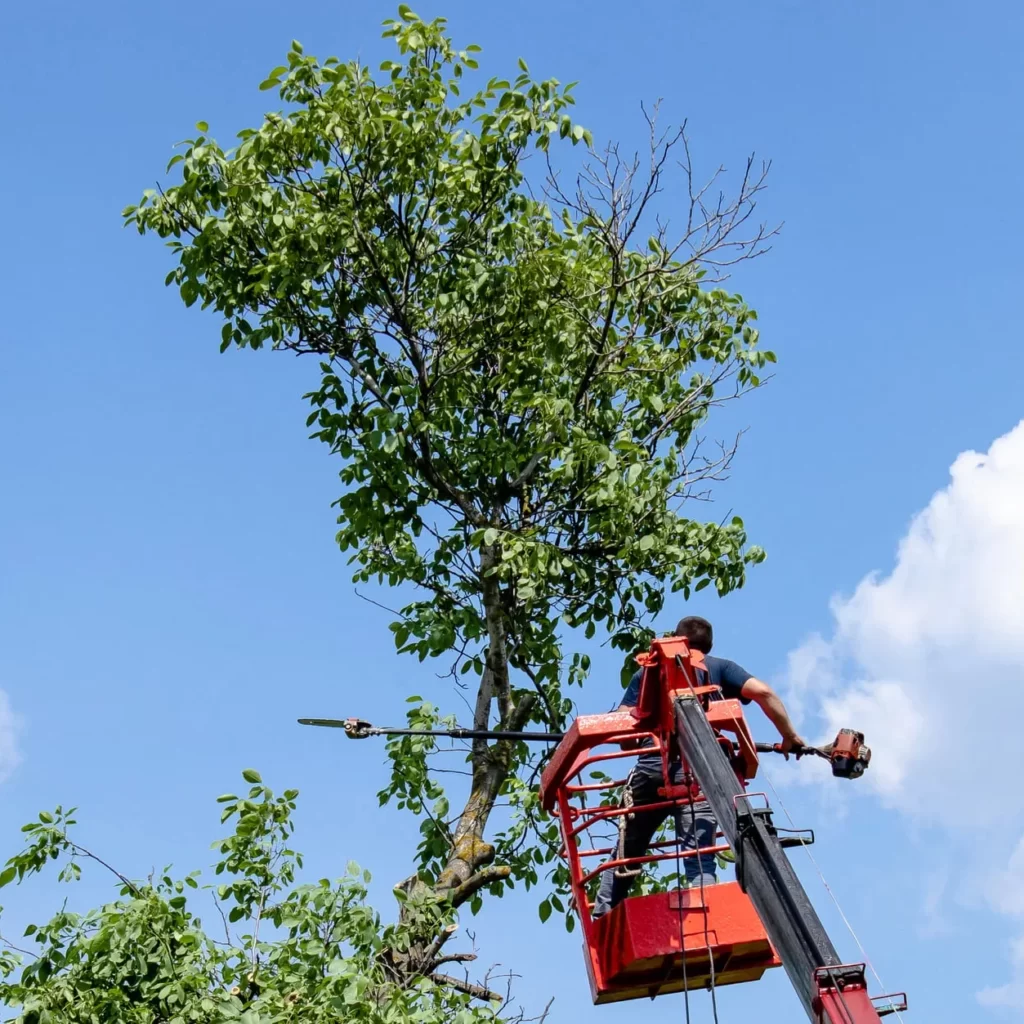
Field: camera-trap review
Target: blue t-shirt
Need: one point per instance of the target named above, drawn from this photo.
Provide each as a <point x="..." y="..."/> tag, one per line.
<point x="724" y="673"/>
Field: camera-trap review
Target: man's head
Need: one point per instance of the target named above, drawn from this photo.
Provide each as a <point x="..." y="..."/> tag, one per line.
<point x="697" y="632"/>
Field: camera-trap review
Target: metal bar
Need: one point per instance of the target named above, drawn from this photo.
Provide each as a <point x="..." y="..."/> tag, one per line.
<point x="620" y="862"/>
<point x="789" y="918"/>
<point x="666" y="844"/>
<point x="613" y="755"/>
<point x="590" y="787"/>
<point x="593" y="815"/>
<point x="457" y="734"/>
<point x="495" y="734"/>
<point x="776" y="748"/>
<point x="579" y="892"/>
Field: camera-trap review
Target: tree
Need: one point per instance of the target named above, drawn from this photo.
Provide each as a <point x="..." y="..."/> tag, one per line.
<point x="310" y="954"/>
<point x="514" y="374"/>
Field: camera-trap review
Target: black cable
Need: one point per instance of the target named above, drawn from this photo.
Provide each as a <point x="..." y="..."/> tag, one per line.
<point x="847" y="1012"/>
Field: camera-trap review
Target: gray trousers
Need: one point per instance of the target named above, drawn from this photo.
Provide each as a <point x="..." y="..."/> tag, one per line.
<point x="695" y="828"/>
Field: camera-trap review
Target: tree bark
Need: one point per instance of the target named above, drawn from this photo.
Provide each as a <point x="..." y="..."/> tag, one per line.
<point x="469" y="867"/>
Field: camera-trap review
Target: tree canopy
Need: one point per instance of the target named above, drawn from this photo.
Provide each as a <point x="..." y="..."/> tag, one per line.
<point x="311" y="953"/>
<point x="517" y="360"/>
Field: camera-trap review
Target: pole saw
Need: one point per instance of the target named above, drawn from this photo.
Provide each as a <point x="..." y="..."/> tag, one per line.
<point x="847" y="754"/>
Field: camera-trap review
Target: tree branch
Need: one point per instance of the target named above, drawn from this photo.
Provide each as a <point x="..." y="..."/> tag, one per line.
<point x="479" y="881"/>
<point x="476" y="991"/>
<point x="554" y="719"/>
<point x="435" y="947"/>
<point x="454" y="958"/>
<point x="82" y="851"/>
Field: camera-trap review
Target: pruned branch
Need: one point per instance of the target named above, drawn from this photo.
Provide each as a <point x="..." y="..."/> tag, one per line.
<point x="439" y="940"/>
<point x="476" y="991"/>
<point x="454" y="958"/>
<point x="482" y="879"/>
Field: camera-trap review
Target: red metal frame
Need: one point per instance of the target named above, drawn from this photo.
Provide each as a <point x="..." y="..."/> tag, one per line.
<point x="842" y="997"/>
<point x="689" y="938"/>
<point x="666" y="941"/>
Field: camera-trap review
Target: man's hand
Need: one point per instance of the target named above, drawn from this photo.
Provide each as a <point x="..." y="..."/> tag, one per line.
<point x="633" y="744"/>
<point x="794" y="741"/>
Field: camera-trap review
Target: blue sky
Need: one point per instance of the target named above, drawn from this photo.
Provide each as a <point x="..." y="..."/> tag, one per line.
<point x="171" y="599"/>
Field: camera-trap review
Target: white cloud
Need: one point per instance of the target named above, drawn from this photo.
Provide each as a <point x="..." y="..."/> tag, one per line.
<point x="9" y="728"/>
<point x="1005" y="895"/>
<point x="929" y="662"/>
<point x="1011" y="995"/>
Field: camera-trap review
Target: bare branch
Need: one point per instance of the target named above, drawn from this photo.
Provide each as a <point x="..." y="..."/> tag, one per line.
<point x="83" y="852"/>
<point x="439" y="940"/>
<point x="223" y="917"/>
<point x="476" y="991"/>
<point x="17" y="949"/>
<point x="454" y="958"/>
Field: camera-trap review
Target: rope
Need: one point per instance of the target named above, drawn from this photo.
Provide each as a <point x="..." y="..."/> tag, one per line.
<point x="707" y="938"/>
<point x="627" y="802"/>
<point x="696" y="846"/>
<point x="682" y="932"/>
<point x="832" y="895"/>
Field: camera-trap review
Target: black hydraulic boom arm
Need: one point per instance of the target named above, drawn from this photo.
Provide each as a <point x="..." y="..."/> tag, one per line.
<point x="762" y="868"/>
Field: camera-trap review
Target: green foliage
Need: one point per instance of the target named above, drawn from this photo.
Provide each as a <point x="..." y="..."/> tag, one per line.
<point x="513" y="376"/>
<point x="312" y="953"/>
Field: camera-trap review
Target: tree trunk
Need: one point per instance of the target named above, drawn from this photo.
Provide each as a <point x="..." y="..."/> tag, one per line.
<point x="469" y="867"/>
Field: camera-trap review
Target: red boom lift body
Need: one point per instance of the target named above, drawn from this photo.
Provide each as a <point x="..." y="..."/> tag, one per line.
<point x="719" y="934"/>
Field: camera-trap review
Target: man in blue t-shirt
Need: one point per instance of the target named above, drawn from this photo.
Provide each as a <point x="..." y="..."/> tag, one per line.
<point x="695" y="823"/>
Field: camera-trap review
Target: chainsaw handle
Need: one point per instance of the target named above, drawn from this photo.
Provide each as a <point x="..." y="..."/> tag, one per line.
<point x="776" y="748"/>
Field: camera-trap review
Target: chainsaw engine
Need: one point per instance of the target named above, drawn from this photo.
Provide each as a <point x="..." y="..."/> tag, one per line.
<point x="848" y="755"/>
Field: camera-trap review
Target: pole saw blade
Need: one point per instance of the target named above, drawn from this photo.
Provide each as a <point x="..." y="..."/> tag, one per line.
<point x="355" y="728"/>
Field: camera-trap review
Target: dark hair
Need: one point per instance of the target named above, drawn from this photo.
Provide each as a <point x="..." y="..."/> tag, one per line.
<point x="697" y="631"/>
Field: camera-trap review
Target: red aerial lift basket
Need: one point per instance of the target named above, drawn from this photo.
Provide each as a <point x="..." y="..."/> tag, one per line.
<point x="669" y="941"/>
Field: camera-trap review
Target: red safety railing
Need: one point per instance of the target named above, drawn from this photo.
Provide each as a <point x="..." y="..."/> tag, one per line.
<point x="584" y="818"/>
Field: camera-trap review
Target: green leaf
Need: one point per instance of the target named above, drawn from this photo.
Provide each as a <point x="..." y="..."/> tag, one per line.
<point x="253" y="776"/>
<point x="7" y="875"/>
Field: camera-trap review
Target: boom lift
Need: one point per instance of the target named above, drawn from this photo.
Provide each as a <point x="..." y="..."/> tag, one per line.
<point x="719" y="934"/>
<point x="691" y="938"/>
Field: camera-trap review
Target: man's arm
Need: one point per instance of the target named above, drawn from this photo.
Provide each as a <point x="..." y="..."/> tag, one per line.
<point x="771" y="704"/>
<point x="628" y="744"/>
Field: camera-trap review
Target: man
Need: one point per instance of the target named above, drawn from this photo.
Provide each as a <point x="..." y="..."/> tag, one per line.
<point x="695" y="823"/>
